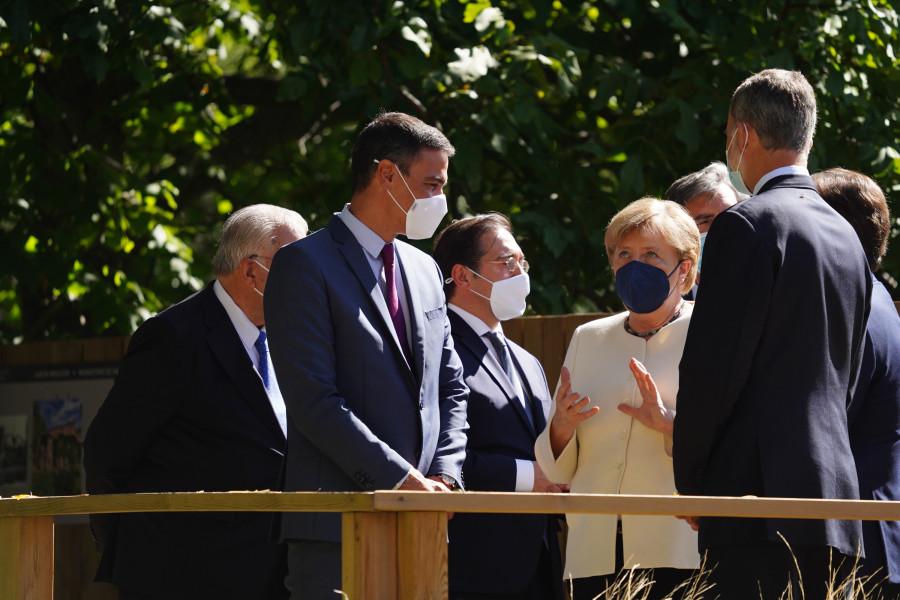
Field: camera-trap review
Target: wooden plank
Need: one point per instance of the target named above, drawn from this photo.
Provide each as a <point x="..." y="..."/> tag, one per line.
<point x="75" y="563"/>
<point x="489" y="502"/>
<point x="188" y="501"/>
<point x="533" y="336"/>
<point x="69" y="352"/>
<point x="26" y="558"/>
<point x="514" y="502"/>
<point x="369" y="556"/>
<point x="104" y="349"/>
<point x="556" y="341"/>
<point x="422" y="556"/>
<point x="547" y="338"/>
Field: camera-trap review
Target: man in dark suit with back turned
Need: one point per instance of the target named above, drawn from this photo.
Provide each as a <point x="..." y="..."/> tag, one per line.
<point x="362" y="347"/>
<point x="773" y="353"/>
<point x="497" y="556"/>
<point x="196" y="406"/>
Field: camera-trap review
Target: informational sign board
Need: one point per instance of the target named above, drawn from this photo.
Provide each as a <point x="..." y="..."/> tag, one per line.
<point x="44" y="412"/>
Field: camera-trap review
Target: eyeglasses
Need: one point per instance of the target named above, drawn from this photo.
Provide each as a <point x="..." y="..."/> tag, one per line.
<point x="511" y="264"/>
<point x="252" y="256"/>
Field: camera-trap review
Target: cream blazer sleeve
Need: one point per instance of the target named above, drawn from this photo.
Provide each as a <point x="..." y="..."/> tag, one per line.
<point x="562" y="469"/>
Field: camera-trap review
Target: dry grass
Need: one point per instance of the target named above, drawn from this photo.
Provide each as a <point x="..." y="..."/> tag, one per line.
<point x="636" y="585"/>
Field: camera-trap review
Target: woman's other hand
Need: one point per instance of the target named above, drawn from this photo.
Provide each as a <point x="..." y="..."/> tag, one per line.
<point x="652" y="412"/>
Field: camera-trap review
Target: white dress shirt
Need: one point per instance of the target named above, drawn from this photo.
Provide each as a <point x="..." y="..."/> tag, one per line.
<point x="788" y="170"/>
<point x="248" y="333"/>
<point x="373" y="244"/>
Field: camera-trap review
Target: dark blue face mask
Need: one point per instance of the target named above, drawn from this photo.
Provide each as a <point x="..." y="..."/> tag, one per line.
<point x="643" y="288"/>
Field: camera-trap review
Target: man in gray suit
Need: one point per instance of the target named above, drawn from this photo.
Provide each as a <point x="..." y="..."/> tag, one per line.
<point x="362" y="348"/>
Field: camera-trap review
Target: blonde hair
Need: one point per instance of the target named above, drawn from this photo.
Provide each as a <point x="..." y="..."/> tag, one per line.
<point x="665" y="219"/>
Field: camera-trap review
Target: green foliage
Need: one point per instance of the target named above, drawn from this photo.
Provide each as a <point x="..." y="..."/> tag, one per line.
<point x="128" y="130"/>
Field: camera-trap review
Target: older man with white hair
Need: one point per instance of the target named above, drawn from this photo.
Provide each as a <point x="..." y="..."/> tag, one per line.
<point x="196" y="407"/>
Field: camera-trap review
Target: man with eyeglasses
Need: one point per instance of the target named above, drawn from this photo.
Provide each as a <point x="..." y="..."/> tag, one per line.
<point x="196" y="407"/>
<point x="486" y="282"/>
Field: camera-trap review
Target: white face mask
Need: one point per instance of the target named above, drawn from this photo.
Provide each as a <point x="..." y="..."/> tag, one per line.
<point x="425" y="214"/>
<point x="735" y="176"/>
<point x="507" y="295"/>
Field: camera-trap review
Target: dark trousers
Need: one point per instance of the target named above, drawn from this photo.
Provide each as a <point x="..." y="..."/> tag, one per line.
<point x="314" y="570"/>
<point x="664" y="579"/>
<point x="542" y="586"/>
<point x="764" y="570"/>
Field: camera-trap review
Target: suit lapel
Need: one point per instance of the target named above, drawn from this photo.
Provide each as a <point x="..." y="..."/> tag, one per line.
<point x="416" y="310"/>
<point x="226" y="346"/>
<point x="477" y="346"/>
<point x="531" y="382"/>
<point x="354" y="254"/>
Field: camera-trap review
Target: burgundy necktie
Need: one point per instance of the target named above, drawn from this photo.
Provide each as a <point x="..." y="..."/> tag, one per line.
<point x="393" y="302"/>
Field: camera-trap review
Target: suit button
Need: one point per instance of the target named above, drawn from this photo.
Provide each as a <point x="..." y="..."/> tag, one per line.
<point x="421" y="406"/>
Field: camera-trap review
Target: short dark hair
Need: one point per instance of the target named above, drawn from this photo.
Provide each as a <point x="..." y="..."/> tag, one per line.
<point x="781" y="107"/>
<point x="859" y="200"/>
<point x="460" y="243"/>
<point x="395" y="136"/>
<point x="703" y="182"/>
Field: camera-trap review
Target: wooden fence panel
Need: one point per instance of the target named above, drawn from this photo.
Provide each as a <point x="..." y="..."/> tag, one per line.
<point x="369" y="556"/>
<point x="26" y="558"/>
<point x="422" y="555"/>
<point x="547" y="338"/>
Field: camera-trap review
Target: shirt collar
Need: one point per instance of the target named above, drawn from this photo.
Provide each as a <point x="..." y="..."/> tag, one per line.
<point x="788" y="170"/>
<point x="368" y="239"/>
<point x="246" y="330"/>
<point x="478" y="326"/>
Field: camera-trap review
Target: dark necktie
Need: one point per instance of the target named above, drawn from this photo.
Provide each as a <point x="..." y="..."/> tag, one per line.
<point x="502" y="354"/>
<point x="263" y="351"/>
<point x="506" y="362"/>
<point x="270" y="382"/>
<point x="393" y="302"/>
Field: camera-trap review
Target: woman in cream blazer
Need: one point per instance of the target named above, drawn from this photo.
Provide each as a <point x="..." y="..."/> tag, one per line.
<point x="610" y="424"/>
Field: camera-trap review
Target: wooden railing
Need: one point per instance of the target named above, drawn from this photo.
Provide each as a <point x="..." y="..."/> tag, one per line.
<point x="394" y="543"/>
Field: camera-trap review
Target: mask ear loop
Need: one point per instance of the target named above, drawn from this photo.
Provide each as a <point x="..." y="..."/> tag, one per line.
<point x="405" y="212"/>
<point x="747" y="141"/>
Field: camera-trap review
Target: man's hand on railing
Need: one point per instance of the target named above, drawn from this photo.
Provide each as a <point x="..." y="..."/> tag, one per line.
<point x="694" y="522"/>
<point x="541" y="483"/>
<point x="416" y="482"/>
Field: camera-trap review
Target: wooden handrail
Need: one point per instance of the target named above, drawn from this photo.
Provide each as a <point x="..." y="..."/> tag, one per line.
<point x="467" y="502"/>
<point x="394" y="543"/>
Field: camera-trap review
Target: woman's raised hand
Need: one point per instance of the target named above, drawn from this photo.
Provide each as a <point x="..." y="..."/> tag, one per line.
<point x="570" y="411"/>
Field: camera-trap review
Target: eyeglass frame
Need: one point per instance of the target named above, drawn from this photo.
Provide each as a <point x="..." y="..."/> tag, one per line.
<point x="511" y="264"/>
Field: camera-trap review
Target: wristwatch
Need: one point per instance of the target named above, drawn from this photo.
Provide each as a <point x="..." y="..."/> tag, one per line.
<point x="450" y="482"/>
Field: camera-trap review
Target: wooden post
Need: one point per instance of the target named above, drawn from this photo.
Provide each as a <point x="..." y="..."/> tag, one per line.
<point x="422" y="555"/>
<point x="26" y="558"/>
<point x="369" y="556"/>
